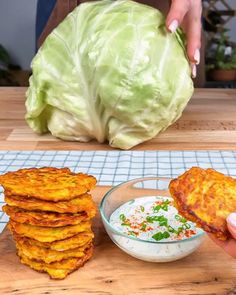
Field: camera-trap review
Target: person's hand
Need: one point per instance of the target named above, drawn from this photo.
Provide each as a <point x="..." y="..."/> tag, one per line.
<point x="187" y="14"/>
<point x="230" y="245"/>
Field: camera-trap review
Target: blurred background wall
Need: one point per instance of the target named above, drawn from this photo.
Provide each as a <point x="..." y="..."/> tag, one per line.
<point x="17" y="28"/>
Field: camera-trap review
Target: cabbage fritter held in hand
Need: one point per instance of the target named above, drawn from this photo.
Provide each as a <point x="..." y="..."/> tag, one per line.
<point x="205" y="197"/>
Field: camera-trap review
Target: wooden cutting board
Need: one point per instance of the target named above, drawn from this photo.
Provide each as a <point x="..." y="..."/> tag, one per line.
<point x="208" y="122"/>
<point x="207" y="271"/>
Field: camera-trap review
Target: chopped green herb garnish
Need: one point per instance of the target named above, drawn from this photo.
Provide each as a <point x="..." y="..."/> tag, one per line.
<point x="171" y="229"/>
<point x="163" y="206"/>
<point x="161" y="219"/>
<point x="151" y="219"/>
<point x="186" y="226"/>
<point x="156" y="208"/>
<point x="142" y="208"/>
<point x="180" y="229"/>
<point x="163" y="223"/>
<point x="166" y="235"/>
<point x="122" y="217"/>
<point x="125" y="224"/>
<point x="180" y="219"/>
<point x="166" y="202"/>
<point x="131" y="233"/>
<point x="183" y="220"/>
<point x="160" y="236"/>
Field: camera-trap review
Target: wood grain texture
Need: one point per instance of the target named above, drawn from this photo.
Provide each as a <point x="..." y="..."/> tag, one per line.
<point x="208" y="122"/>
<point x="207" y="271"/>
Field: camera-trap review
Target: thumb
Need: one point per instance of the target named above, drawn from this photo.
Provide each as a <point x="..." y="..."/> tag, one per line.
<point x="231" y="221"/>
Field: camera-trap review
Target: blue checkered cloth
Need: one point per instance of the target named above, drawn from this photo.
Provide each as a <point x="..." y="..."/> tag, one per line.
<point x="114" y="167"/>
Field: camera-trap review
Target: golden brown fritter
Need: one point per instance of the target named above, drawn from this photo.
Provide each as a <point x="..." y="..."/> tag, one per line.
<point x="47" y="255"/>
<point x="57" y="270"/>
<point x="47" y="183"/>
<point x="47" y="234"/>
<point x="42" y="218"/>
<point x="205" y="197"/>
<point x="73" y="242"/>
<point x="82" y="204"/>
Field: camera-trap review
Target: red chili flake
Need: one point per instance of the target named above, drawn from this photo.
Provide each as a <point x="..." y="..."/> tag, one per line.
<point x="180" y="236"/>
<point x="135" y="226"/>
<point x="190" y="232"/>
<point x="159" y="202"/>
<point x="143" y="226"/>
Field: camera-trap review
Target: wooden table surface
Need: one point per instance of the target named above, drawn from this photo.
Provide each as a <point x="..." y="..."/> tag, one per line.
<point x="111" y="271"/>
<point x="208" y="122"/>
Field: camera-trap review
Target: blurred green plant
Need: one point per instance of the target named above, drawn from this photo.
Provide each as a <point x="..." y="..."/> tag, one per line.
<point x="6" y="68"/>
<point x="222" y="53"/>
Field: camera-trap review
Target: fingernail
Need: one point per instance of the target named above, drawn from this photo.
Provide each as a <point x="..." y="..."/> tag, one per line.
<point x="194" y="70"/>
<point x="231" y="219"/>
<point x="197" y="56"/>
<point x="173" y="26"/>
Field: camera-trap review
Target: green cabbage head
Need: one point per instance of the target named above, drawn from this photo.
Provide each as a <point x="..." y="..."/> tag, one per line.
<point x="111" y="72"/>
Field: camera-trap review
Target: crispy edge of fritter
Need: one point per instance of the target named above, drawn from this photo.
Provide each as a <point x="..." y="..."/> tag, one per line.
<point x="48" y="219"/>
<point x="61" y="245"/>
<point x="32" y="231"/>
<point x="53" y="268"/>
<point x="46" y="255"/>
<point x="18" y="183"/>
<point x="83" y="203"/>
<point x="189" y="214"/>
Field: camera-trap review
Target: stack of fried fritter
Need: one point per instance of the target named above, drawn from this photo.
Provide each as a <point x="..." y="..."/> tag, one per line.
<point x="50" y="214"/>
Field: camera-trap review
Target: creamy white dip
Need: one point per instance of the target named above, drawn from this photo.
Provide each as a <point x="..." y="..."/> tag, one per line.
<point x="152" y="219"/>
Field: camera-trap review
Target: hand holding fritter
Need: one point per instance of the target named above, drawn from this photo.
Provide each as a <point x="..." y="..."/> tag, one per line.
<point x="229" y="246"/>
